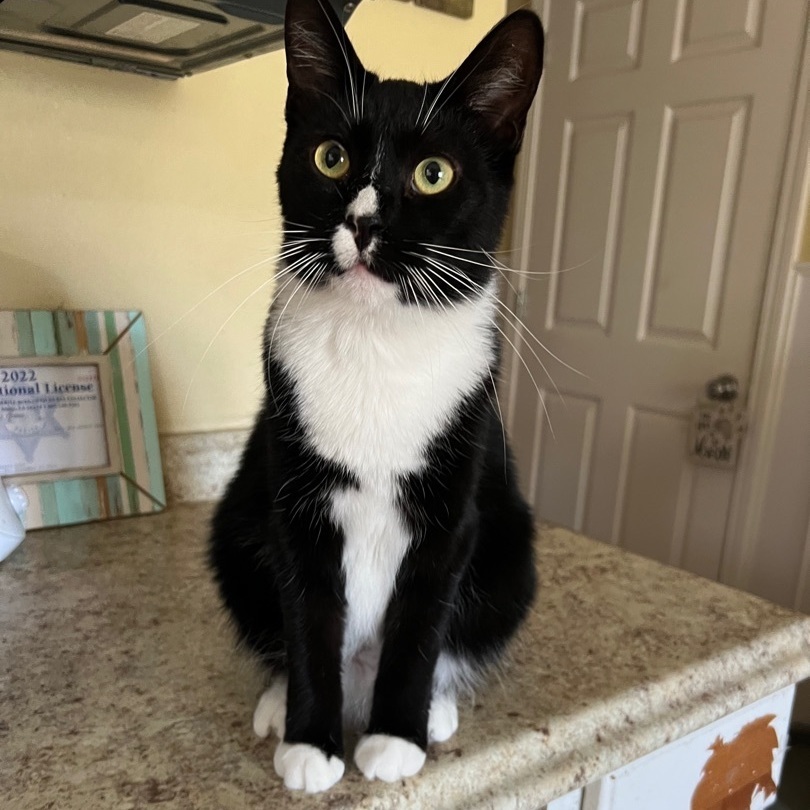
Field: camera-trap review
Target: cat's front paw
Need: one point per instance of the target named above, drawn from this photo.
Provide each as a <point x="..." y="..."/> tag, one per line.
<point x="380" y="756"/>
<point x="271" y="710"/>
<point x="305" y="767"/>
<point x="443" y="718"/>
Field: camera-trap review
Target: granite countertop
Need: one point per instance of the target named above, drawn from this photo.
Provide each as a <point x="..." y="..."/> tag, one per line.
<point x="120" y="688"/>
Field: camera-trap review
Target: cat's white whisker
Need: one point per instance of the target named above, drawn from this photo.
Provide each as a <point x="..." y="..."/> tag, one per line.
<point x="507" y="280"/>
<point x="460" y="276"/>
<point x="313" y="274"/>
<point x="269" y="346"/>
<point x="539" y="342"/>
<point x="216" y="335"/>
<point x="201" y="302"/>
<point x="272" y="280"/>
<point x="492" y="267"/>
<point x="494" y="391"/>
<point x="473" y="286"/>
<point x="457" y="258"/>
<point x="435" y="100"/>
<point x="477" y="251"/>
<point x="283" y="229"/>
<point x="541" y="395"/>
<point x="363" y="95"/>
<point x="273" y="232"/>
<point x="433" y="111"/>
<point x="287" y="250"/>
<point x="557" y="272"/>
<point x="442" y="250"/>
<point x="337" y="104"/>
<point x="302" y="282"/>
<point x="422" y="105"/>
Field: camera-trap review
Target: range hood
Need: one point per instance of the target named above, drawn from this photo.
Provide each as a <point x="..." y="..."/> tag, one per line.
<point x="151" y="37"/>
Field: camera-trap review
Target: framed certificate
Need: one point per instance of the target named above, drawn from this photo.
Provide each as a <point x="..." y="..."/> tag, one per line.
<point x="77" y="421"/>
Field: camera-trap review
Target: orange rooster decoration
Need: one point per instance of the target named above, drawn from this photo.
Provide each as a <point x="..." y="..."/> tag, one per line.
<point x="736" y="770"/>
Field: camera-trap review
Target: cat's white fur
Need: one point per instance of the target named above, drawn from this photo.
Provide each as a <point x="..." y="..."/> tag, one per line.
<point x="304" y="767"/>
<point x="366" y="203"/>
<point x="380" y="756"/>
<point x="376" y="382"/>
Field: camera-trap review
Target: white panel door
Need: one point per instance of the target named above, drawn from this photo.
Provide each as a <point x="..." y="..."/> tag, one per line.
<point x="647" y="216"/>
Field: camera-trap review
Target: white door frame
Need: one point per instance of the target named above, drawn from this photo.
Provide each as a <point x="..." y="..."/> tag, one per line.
<point x="765" y="398"/>
<point x="767" y="377"/>
<point x="521" y="214"/>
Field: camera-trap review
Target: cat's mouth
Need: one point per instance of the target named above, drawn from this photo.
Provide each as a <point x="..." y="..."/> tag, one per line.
<point x="365" y="267"/>
<point x="352" y="262"/>
<point x="365" y="273"/>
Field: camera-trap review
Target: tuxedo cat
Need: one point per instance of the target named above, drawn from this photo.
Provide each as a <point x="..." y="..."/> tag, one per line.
<point x="373" y="548"/>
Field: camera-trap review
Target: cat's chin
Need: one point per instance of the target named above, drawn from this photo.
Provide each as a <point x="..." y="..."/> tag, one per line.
<point x="364" y="286"/>
<point x="362" y="269"/>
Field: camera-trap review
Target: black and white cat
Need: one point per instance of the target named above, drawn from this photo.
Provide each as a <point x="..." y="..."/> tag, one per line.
<point x="373" y="548"/>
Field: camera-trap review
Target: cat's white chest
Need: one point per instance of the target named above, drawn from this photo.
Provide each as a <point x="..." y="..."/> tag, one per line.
<point x="375" y="384"/>
<point x="375" y="542"/>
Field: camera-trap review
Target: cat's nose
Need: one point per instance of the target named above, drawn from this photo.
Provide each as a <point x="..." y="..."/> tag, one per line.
<point x="364" y="229"/>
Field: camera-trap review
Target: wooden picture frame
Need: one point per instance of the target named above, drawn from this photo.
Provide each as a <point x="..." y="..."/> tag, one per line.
<point x="78" y="430"/>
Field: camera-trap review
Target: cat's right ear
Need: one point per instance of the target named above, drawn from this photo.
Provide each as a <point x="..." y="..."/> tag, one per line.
<point x="320" y="58"/>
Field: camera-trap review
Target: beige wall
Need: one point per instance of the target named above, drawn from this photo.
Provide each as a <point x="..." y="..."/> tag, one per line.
<point x="125" y="192"/>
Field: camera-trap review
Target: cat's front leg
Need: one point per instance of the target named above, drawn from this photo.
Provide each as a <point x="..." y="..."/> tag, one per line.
<point x="310" y="757"/>
<point x="395" y="743"/>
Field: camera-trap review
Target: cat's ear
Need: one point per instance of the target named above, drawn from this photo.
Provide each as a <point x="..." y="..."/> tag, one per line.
<point x="499" y="79"/>
<point x="320" y="58"/>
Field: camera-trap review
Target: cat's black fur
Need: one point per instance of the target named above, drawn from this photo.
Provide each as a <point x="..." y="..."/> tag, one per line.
<point x="468" y="578"/>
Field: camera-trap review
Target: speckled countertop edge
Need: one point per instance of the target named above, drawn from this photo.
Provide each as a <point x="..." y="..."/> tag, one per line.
<point x="119" y="686"/>
<point x="612" y="735"/>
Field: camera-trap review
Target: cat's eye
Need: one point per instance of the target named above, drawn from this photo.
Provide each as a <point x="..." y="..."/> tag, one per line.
<point x="433" y="175"/>
<point x="332" y="160"/>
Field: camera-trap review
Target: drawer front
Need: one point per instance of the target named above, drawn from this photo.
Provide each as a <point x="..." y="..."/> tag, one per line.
<point x="736" y="760"/>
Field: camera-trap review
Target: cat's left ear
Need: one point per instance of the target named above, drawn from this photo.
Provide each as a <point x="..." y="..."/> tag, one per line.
<point x="499" y="79"/>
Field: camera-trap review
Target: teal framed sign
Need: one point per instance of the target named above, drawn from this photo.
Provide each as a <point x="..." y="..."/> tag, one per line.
<point x="78" y="430"/>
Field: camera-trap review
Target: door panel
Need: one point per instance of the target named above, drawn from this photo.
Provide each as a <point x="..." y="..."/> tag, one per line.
<point x="688" y="242"/>
<point x="606" y="37"/>
<point x="662" y="133"/>
<point x="654" y="484"/>
<point x="594" y="159"/>
<point x="702" y="29"/>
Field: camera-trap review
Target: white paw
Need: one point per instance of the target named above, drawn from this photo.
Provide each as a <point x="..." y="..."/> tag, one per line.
<point x="380" y="756"/>
<point x="271" y="710"/>
<point x="304" y="767"/>
<point x="443" y="718"/>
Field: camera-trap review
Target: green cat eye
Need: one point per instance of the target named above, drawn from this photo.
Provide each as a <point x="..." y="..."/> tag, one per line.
<point x="433" y="175"/>
<point x="332" y="160"/>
